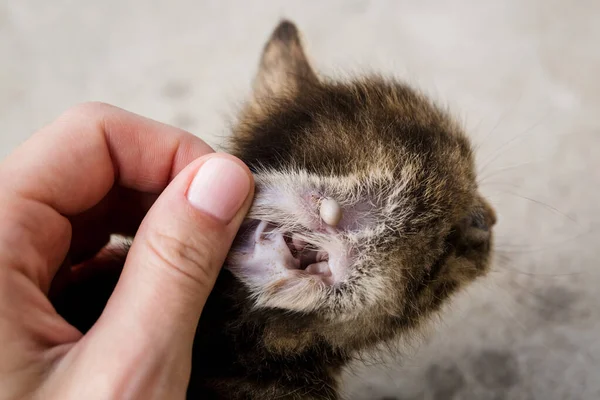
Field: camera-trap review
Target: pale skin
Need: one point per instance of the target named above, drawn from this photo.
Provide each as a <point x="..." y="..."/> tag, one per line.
<point x="94" y="171"/>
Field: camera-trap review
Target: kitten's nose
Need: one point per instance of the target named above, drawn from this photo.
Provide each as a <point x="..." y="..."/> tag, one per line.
<point x="330" y="211"/>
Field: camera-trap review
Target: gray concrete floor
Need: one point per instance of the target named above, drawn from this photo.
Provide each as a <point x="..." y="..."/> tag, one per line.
<point x="522" y="75"/>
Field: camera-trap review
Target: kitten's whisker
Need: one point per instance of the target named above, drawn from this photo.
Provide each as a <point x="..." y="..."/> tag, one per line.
<point x="504" y="268"/>
<point x="521" y="136"/>
<point x="483" y="178"/>
<point x="501" y="183"/>
<point x="545" y="205"/>
<point x="500" y="264"/>
<point x="502" y="118"/>
<point x="501" y="150"/>
<point x="513" y="248"/>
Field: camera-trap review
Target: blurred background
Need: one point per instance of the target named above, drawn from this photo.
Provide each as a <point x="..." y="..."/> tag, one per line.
<point x="522" y="75"/>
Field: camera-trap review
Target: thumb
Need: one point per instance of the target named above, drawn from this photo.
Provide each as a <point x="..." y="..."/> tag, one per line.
<point x="151" y="318"/>
<point x="182" y="243"/>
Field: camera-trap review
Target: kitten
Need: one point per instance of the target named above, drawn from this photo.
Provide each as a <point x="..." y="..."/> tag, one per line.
<point x="366" y="220"/>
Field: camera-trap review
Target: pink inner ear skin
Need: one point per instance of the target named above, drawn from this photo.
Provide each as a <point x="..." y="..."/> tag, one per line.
<point x="275" y="255"/>
<point x="266" y="252"/>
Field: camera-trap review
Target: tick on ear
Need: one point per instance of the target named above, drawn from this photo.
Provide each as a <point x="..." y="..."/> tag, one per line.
<point x="330" y="211"/>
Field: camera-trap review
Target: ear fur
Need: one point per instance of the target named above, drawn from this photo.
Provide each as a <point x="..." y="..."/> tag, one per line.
<point x="284" y="67"/>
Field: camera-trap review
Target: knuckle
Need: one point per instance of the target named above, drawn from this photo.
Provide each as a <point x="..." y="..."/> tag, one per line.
<point x="88" y="109"/>
<point x="85" y="115"/>
<point x="192" y="257"/>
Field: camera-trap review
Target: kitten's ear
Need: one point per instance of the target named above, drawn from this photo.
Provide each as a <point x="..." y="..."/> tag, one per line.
<point x="284" y="68"/>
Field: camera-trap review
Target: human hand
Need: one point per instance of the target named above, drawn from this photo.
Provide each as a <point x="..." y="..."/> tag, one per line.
<point x="95" y="171"/>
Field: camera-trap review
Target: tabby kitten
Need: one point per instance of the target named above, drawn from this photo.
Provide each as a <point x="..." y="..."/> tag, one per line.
<point x="366" y="220"/>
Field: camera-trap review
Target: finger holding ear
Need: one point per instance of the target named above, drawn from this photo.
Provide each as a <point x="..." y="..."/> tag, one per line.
<point x="150" y="321"/>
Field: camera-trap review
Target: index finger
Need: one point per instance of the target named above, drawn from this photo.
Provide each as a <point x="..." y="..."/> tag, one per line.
<point x="72" y="163"/>
<point x="69" y="166"/>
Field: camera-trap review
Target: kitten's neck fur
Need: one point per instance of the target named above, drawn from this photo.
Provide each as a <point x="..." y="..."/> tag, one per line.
<point x="269" y="354"/>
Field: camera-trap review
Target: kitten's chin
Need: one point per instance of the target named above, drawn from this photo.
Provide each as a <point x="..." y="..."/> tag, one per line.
<point x="287" y="270"/>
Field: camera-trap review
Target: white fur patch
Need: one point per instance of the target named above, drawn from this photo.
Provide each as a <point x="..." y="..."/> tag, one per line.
<point x="370" y="206"/>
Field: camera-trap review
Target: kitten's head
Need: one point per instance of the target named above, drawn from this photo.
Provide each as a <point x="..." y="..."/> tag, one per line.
<point x="366" y="204"/>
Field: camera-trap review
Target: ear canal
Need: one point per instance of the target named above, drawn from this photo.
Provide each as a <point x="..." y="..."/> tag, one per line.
<point x="284" y="68"/>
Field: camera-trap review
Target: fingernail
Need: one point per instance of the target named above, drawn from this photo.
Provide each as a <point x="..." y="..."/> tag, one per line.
<point x="219" y="188"/>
